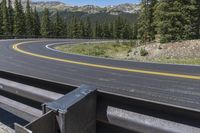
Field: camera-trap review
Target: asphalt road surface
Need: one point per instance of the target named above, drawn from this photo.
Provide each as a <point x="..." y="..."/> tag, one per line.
<point x="170" y="84"/>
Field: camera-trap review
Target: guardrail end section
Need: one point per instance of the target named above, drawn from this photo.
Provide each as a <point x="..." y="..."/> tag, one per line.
<point x="73" y="113"/>
<point x="76" y="111"/>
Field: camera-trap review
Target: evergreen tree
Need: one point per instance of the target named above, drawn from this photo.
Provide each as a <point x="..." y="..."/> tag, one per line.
<point x="177" y="20"/>
<point x="146" y="25"/>
<point x="65" y="29"/>
<point x="10" y="17"/>
<point x="106" y="31"/>
<point x="111" y="29"/>
<point x="127" y="31"/>
<point x="5" y="24"/>
<point x="100" y="32"/>
<point x="198" y="18"/>
<point x="87" y="28"/>
<point x="45" y="23"/>
<point x="58" y="25"/>
<point x="75" y="28"/>
<point x="36" y="23"/>
<point x="189" y="18"/>
<point x="119" y="27"/>
<point x="19" y="24"/>
<point x="82" y="25"/>
<point x="195" y="18"/>
<point x="96" y="30"/>
<point x="135" y="31"/>
<point x="29" y="20"/>
<point x="1" y="19"/>
<point x="22" y="18"/>
<point x="170" y="21"/>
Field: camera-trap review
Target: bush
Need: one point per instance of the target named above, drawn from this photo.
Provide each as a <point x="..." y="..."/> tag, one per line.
<point x="143" y="52"/>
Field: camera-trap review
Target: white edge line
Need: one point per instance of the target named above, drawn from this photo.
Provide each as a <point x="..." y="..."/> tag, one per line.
<point x="48" y="46"/>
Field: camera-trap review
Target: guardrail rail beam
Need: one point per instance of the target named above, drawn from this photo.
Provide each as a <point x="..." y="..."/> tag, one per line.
<point x="73" y="113"/>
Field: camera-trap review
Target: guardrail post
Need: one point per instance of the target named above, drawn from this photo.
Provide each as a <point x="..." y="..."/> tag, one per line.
<point x="76" y="111"/>
<point x="73" y="113"/>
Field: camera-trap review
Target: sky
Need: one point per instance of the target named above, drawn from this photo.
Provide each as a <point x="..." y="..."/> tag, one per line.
<point x="96" y="2"/>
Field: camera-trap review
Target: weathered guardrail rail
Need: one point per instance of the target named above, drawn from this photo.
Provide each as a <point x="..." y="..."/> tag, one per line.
<point x="49" y="107"/>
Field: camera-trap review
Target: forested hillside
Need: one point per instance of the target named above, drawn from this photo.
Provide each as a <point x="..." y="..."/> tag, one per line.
<point x="157" y="20"/>
<point x="169" y="20"/>
<point x="19" y="21"/>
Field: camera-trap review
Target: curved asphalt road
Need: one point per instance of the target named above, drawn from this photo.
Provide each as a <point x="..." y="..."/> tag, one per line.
<point x="181" y="85"/>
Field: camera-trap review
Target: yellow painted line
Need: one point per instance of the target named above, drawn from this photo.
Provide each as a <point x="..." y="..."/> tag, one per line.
<point x="16" y="48"/>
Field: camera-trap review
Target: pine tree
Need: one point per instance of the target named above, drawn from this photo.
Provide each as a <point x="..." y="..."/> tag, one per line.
<point x="45" y="23"/>
<point x="111" y="29"/>
<point x="29" y="21"/>
<point x="82" y="25"/>
<point x="1" y="19"/>
<point x="197" y="27"/>
<point x="87" y="28"/>
<point x="75" y="28"/>
<point x="17" y="30"/>
<point x="96" y="30"/>
<point x="5" y="24"/>
<point x="58" y="24"/>
<point x="135" y="30"/>
<point x="36" y="23"/>
<point x="19" y="24"/>
<point x="65" y="29"/>
<point x="189" y="18"/>
<point x="195" y="18"/>
<point x="10" y="17"/>
<point x="127" y="31"/>
<point x="146" y="25"/>
<point x="100" y="31"/>
<point x="170" y="20"/>
<point x="106" y="31"/>
<point x="119" y="25"/>
<point x="22" y="18"/>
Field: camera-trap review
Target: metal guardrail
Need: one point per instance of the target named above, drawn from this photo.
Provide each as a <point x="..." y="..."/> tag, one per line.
<point x="84" y="109"/>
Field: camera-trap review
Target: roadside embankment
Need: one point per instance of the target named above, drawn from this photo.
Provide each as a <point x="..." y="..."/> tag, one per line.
<point x="183" y="52"/>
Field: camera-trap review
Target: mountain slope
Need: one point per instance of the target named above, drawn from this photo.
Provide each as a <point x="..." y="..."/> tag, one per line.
<point x="54" y="5"/>
<point x="127" y="11"/>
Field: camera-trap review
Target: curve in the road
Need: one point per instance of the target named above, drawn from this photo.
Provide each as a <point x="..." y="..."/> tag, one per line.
<point x="16" y="48"/>
<point x="177" y="91"/>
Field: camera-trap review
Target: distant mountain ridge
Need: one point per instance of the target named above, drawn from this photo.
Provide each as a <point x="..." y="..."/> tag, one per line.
<point x="92" y="9"/>
<point x="127" y="11"/>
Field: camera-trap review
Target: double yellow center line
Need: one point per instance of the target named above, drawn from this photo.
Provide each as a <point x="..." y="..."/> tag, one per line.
<point x="16" y="48"/>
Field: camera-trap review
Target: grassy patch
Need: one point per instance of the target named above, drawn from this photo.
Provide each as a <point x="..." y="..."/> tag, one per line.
<point x="120" y="50"/>
<point x="107" y="49"/>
